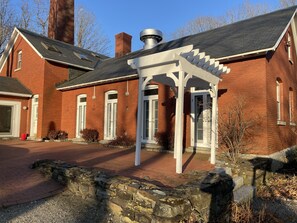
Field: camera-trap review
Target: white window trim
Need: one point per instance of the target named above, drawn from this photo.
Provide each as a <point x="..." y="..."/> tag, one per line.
<point x="16" y="118"/>
<point x="194" y="144"/>
<point x="19" y="61"/>
<point x="106" y="137"/>
<point x="149" y="98"/>
<point x="32" y="121"/>
<point x="289" y="48"/>
<point x="278" y="101"/>
<point x="77" y="133"/>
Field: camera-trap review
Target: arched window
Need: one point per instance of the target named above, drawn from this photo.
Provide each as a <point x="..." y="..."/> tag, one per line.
<point x="291" y="106"/>
<point x="289" y="47"/>
<point x="279" y="100"/>
<point x="150" y="113"/>
<point x="81" y="113"/>
<point x="110" y="120"/>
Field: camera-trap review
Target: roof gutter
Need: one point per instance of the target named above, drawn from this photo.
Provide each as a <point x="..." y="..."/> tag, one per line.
<point x="99" y="82"/>
<point x="258" y="52"/>
<point x="74" y="65"/>
<point x="15" y="94"/>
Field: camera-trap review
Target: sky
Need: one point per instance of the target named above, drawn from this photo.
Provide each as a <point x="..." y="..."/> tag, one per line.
<point x="132" y="16"/>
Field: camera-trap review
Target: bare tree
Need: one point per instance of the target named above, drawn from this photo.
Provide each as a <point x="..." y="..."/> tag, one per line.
<point x="7" y="22"/>
<point x="244" y="11"/>
<point x="41" y="16"/>
<point x="198" y="25"/>
<point x="287" y="3"/>
<point x="236" y="128"/>
<point x="88" y="34"/>
<point x="26" y="16"/>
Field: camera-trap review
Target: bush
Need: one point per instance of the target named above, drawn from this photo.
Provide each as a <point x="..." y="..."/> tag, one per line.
<point x="52" y="134"/>
<point x="90" y="135"/>
<point x="165" y="139"/>
<point x="122" y="140"/>
<point x="237" y="129"/>
<point x="62" y="135"/>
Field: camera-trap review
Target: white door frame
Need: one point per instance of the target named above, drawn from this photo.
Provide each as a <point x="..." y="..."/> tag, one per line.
<point x="110" y="116"/>
<point x="34" y="116"/>
<point x="151" y="118"/>
<point x="206" y="141"/>
<point x="15" y="118"/>
<point x="81" y="116"/>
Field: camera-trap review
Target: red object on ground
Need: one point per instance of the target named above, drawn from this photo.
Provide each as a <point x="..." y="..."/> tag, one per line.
<point x="24" y="136"/>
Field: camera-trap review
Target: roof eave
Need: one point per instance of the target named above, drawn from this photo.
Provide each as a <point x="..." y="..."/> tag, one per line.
<point x="70" y="64"/>
<point x="242" y="55"/>
<point x="15" y="94"/>
<point x="98" y="82"/>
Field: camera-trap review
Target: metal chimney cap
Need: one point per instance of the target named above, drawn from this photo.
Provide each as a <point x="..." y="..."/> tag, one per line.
<point x="151" y="33"/>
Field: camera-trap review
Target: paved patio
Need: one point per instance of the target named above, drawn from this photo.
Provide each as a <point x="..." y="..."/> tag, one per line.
<point x="19" y="183"/>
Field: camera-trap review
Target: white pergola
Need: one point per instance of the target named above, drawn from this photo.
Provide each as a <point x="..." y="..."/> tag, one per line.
<point x="179" y="68"/>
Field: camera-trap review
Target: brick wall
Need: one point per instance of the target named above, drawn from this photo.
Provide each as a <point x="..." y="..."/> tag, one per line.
<point x="279" y="66"/>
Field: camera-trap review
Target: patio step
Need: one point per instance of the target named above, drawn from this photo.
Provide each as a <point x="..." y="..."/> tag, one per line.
<point x="243" y="194"/>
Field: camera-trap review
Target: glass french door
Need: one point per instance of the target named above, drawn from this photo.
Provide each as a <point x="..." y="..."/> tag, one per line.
<point x="202" y="119"/>
<point x="34" y="117"/>
<point x="111" y="104"/>
<point x="81" y="114"/>
<point x="150" y="114"/>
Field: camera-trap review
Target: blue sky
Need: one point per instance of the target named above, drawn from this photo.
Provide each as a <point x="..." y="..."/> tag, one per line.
<point x="132" y="16"/>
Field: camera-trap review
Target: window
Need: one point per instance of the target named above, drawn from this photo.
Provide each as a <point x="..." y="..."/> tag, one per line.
<point x="279" y="101"/>
<point x="110" y="120"/>
<point x="291" y="106"/>
<point x="19" y="61"/>
<point x="83" y="56"/>
<point x="289" y="48"/>
<point x="50" y="47"/>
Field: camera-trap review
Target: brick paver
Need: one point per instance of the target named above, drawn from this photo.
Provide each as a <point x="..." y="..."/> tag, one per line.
<point x="19" y="183"/>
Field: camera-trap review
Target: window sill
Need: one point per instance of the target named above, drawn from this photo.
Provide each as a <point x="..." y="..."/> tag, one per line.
<point x="292" y="124"/>
<point x="281" y="123"/>
<point x="17" y="69"/>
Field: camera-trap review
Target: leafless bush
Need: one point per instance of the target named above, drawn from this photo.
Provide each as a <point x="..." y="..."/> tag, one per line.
<point x="236" y="129"/>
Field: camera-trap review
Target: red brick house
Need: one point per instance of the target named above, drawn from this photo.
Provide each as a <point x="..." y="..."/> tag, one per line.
<point x="69" y="88"/>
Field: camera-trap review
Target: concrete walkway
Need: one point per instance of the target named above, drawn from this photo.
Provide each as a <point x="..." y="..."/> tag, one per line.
<point x="20" y="184"/>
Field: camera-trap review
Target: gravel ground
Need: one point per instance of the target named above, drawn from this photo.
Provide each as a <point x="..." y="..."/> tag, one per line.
<point x="64" y="207"/>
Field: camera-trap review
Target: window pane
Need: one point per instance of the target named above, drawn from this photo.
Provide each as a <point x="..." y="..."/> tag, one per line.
<point x="84" y="99"/>
<point x="151" y="92"/>
<point x="199" y="117"/>
<point x="5" y="118"/>
<point x="112" y="96"/>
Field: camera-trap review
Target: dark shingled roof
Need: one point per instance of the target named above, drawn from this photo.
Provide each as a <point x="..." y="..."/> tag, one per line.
<point x="62" y="52"/>
<point x="13" y="86"/>
<point x="258" y="33"/>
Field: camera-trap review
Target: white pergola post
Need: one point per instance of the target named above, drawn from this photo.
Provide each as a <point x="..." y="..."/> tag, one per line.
<point x="214" y="96"/>
<point x="139" y="122"/>
<point x="176" y="132"/>
<point x="179" y="123"/>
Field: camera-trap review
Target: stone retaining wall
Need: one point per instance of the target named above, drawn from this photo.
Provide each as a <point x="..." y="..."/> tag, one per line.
<point x="205" y="199"/>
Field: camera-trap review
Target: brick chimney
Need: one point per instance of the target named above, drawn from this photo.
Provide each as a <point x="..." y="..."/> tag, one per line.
<point x="61" y="20"/>
<point x="122" y="44"/>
